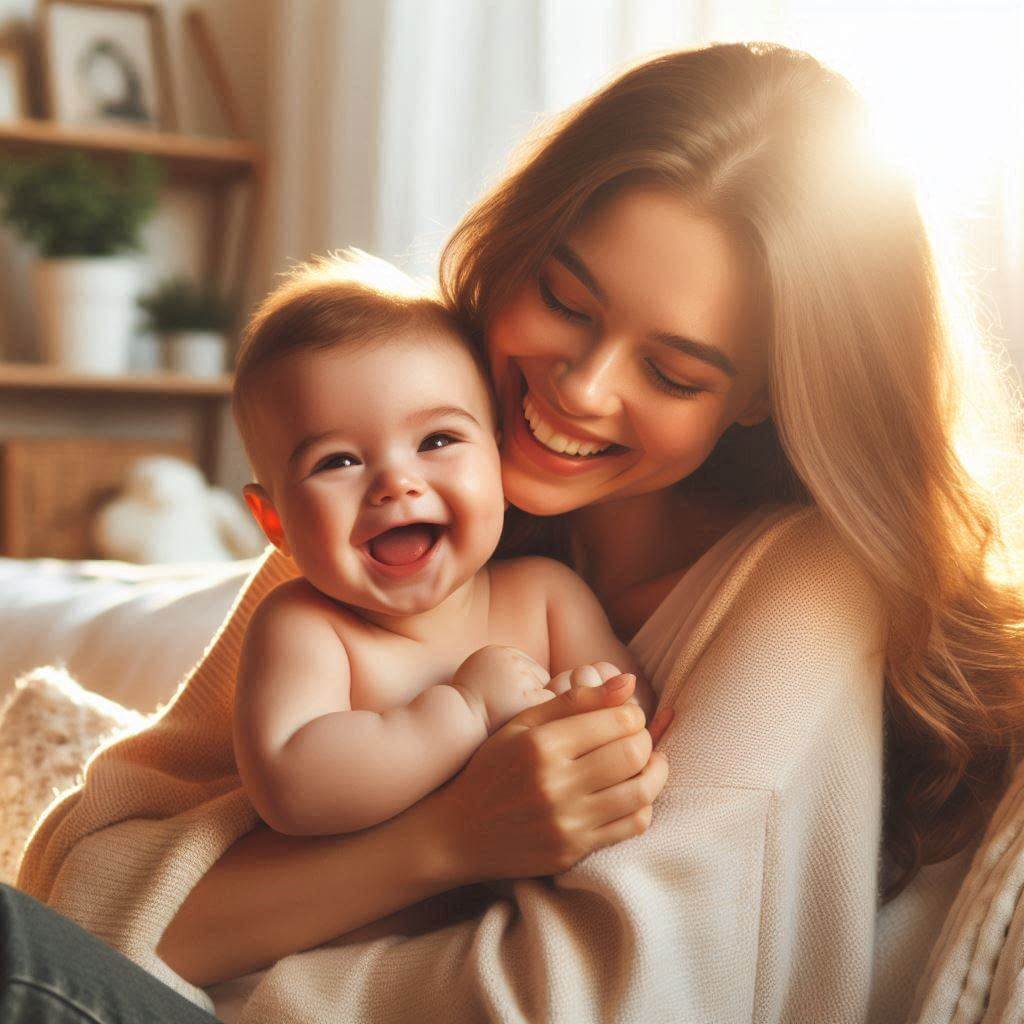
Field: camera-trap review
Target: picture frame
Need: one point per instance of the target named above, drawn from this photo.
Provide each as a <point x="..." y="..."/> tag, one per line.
<point x="14" y="102"/>
<point x="105" y="64"/>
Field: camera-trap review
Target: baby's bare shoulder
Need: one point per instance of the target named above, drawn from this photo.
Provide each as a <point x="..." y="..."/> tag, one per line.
<point x="297" y="605"/>
<point x="290" y="637"/>
<point x="532" y="573"/>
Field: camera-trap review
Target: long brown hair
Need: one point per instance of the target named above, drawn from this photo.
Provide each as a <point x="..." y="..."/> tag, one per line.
<point x="864" y="380"/>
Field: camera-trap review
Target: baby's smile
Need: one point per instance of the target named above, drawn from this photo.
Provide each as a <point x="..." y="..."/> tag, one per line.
<point x="403" y="551"/>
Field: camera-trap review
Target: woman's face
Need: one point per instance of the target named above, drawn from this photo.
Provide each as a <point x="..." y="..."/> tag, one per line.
<point x="638" y="335"/>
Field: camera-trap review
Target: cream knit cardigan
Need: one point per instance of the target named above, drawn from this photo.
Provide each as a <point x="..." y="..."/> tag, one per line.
<point x="752" y="896"/>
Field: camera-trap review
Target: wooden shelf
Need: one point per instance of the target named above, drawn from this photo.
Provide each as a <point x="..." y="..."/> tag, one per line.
<point x="38" y="377"/>
<point x="187" y="157"/>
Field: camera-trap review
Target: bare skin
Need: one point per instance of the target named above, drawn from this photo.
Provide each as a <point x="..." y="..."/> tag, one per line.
<point x="522" y="807"/>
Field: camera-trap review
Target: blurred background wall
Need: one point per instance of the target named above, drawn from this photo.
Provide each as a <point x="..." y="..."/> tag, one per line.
<point x="383" y="119"/>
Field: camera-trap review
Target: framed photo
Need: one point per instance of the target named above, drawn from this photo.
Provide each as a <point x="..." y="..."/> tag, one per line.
<point x="13" y="87"/>
<point x="105" y="64"/>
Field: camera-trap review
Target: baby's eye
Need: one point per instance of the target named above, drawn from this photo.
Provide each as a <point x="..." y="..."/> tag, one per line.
<point x="434" y="441"/>
<point x="336" y="460"/>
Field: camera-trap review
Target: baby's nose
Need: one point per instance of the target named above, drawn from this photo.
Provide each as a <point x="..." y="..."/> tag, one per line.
<point x="392" y="485"/>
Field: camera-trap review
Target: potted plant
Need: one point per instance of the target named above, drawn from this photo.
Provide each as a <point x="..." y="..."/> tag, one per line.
<point x="83" y="217"/>
<point x="193" y="320"/>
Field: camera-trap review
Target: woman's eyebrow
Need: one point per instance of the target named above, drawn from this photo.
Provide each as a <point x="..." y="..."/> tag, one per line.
<point x="699" y="350"/>
<point x="711" y="354"/>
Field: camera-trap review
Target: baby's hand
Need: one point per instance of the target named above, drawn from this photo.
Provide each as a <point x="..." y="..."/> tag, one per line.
<point x="596" y="675"/>
<point x="499" y="682"/>
<point x="585" y="675"/>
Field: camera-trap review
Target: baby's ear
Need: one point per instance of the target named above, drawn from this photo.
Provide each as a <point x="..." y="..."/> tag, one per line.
<point x="265" y="514"/>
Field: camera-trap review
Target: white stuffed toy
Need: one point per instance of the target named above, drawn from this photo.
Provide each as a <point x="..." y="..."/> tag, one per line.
<point x="166" y="513"/>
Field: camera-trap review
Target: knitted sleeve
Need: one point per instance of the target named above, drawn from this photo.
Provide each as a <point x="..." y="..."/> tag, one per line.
<point x="119" y="854"/>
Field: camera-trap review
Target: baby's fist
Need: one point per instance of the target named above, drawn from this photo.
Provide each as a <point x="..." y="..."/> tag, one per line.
<point x="498" y="682"/>
<point x="584" y="675"/>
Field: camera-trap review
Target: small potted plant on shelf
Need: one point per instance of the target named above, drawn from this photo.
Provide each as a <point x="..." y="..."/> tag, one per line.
<point x="85" y="218"/>
<point x="193" y="320"/>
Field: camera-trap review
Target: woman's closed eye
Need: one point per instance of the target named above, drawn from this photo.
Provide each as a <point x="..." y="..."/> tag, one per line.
<point x="336" y="460"/>
<point x="553" y="303"/>
<point x="673" y="387"/>
<point x="661" y="381"/>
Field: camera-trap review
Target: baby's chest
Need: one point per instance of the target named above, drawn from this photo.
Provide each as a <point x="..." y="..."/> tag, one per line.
<point x="390" y="674"/>
<point x="384" y="676"/>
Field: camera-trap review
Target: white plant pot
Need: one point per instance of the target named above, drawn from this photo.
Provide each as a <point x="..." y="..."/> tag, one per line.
<point x="147" y="354"/>
<point x="197" y="353"/>
<point x="87" y="312"/>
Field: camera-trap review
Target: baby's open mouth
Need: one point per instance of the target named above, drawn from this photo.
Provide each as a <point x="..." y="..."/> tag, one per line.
<point x="404" y="545"/>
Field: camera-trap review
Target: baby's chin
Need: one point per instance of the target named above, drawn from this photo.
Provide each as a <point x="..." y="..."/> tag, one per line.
<point x="401" y="601"/>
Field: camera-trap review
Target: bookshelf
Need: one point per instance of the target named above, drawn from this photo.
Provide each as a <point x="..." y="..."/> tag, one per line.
<point x="216" y="166"/>
<point x="36" y="377"/>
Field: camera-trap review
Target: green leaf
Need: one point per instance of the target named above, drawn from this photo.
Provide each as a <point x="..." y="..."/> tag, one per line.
<point x="73" y="205"/>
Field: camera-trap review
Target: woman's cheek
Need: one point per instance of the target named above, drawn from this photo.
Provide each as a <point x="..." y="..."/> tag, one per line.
<point x="520" y="329"/>
<point x="687" y="438"/>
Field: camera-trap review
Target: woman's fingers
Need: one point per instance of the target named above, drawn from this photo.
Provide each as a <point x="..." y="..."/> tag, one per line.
<point x="659" y="724"/>
<point x="613" y="763"/>
<point x="573" y="703"/>
<point x="624" y="809"/>
<point x="634" y="824"/>
<point x="528" y="802"/>
<point x="574" y="737"/>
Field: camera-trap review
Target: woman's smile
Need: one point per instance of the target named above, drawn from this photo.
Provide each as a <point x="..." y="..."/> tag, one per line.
<point x="552" y="446"/>
<point x="550" y="437"/>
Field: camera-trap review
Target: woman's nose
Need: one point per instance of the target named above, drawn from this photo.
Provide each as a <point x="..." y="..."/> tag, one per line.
<point x="392" y="484"/>
<point x="588" y="387"/>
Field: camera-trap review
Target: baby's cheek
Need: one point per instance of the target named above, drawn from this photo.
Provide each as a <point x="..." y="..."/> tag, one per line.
<point x="481" y="499"/>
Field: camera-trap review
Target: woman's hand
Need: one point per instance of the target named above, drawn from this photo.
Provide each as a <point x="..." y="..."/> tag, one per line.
<point x="558" y="781"/>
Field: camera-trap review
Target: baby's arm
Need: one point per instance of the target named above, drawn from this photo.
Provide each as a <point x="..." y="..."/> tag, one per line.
<point x="309" y="762"/>
<point x="579" y="632"/>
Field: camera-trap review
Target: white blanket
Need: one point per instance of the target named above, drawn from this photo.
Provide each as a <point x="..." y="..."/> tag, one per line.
<point x="126" y="632"/>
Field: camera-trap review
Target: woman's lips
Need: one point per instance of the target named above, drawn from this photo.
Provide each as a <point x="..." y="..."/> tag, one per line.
<point x="540" y="455"/>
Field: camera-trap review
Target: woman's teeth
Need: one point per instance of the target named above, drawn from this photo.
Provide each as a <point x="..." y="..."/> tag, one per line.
<point x="550" y="438"/>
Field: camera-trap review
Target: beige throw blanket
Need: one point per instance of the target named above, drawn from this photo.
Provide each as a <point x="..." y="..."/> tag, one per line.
<point x="752" y="897"/>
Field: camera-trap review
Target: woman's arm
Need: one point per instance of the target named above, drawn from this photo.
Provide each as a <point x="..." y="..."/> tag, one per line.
<point x="271" y="895"/>
<point x="509" y="813"/>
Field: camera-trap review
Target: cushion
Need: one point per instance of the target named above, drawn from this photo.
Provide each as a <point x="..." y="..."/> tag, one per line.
<point x="49" y="727"/>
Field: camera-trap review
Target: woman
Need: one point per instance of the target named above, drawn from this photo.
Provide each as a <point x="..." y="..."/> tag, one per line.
<point x="704" y="270"/>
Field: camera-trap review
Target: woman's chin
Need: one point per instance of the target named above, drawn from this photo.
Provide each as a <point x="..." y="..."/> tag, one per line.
<point x="542" y="498"/>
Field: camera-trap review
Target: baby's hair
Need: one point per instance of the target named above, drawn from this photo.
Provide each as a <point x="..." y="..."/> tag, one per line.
<point x="343" y="298"/>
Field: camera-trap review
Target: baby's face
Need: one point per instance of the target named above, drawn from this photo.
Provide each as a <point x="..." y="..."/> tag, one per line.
<point x="382" y="465"/>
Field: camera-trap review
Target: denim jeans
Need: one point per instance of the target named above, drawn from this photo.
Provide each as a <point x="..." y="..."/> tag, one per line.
<point x="53" y="972"/>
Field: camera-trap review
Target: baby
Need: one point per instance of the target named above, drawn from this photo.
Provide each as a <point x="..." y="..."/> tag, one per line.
<point x="370" y="680"/>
